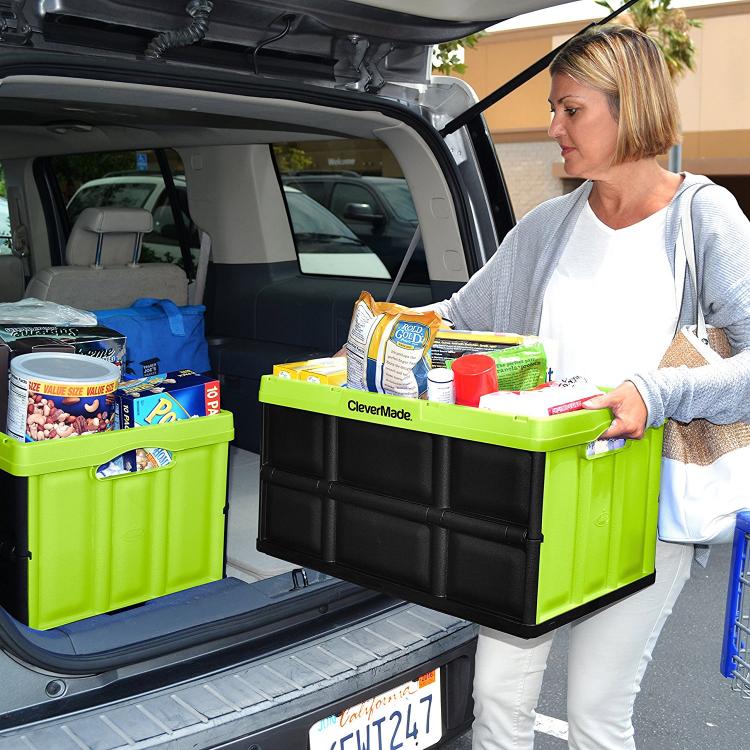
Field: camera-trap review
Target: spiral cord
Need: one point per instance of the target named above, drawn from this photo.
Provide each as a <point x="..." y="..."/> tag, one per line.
<point x="190" y="34"/>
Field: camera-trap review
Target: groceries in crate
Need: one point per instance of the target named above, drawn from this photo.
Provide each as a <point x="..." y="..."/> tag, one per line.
<point x="162" y="336"/>
<point x="140" y="459"/>
<point x="474" y="376"/>
<point x="22" y="338"/>
<point x="166" y="398"/>
<point x="518" y="368"/>
<point x="546" y="400"/>
<point x="450" y="344"/>
<point x="328" y="370"/>
<point x="387" y="347"/>
<point x="33" y="311"/>
<point x="440" y="386"/>
<point x="55" y="395"/>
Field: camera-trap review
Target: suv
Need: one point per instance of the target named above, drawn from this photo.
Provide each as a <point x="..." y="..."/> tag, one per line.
<point x="272" y="656"/>
<point x="379" y="210"/>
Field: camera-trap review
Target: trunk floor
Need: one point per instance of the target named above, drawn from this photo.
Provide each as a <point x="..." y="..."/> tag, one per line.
<point x="243" y="559"/>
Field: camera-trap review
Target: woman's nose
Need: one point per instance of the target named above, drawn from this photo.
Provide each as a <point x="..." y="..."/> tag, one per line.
<point x="554" y="127"/>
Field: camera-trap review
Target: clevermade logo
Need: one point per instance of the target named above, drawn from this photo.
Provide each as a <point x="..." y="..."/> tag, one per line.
<point x="379" y="411"/>
<point x="410" y="335"/>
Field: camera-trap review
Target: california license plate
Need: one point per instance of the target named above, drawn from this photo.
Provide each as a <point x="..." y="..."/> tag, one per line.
<point x="407" y="717"/>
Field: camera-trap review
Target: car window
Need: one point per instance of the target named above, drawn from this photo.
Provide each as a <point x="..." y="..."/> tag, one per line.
<point x="5" y="235"/>
<point x="344" y="194"/>
<point x="361" y="183"/>
<point x="125" y="195"/>
<point x="326" y="245"/>
<point x="129" y="179"/>
<point x="317" y="190"/>
<point x="398" y="197"/>
<point x="308" y="216"/>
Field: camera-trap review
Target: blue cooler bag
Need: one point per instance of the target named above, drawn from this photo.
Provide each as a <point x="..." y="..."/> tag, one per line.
<point x="161" y="337"/>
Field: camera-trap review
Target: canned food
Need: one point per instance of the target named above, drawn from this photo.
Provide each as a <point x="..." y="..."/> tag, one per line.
<point x="54" y="395"/>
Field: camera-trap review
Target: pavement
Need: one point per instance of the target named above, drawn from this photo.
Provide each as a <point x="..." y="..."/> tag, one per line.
<point x="684" y="703"/>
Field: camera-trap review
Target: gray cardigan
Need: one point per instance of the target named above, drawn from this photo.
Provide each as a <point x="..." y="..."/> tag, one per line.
<point x="507" y="294"/>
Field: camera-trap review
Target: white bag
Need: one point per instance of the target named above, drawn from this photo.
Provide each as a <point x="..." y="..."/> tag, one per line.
<point x="705" y="471"/>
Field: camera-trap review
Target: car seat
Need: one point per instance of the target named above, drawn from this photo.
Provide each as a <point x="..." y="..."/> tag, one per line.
<point x="102" y="268"/>
<point x="12" y="280"/>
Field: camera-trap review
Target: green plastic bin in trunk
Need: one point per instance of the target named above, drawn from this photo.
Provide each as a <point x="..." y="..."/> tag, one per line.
<point x="76" y="545"/>
<point x="501" y="519"/>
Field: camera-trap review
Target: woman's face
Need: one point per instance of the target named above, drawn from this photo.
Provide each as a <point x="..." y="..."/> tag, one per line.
<point x="583" y="126"/>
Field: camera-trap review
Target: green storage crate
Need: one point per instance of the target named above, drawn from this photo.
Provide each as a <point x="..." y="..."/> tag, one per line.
<point x="501" y="519"/>
<point x="73" y="545"/>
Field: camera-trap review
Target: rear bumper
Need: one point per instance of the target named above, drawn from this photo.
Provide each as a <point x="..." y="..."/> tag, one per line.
<point x="273" y="701"/>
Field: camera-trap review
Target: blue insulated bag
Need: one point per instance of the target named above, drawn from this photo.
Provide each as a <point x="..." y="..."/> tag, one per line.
<point x="161" y="337"/>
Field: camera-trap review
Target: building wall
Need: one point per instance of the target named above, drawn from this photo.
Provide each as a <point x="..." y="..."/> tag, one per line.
<point x="528" y="177"/>
<point x="714" y="102"/>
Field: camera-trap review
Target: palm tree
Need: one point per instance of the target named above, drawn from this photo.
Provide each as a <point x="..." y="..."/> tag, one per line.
<point x="670" y="29"/>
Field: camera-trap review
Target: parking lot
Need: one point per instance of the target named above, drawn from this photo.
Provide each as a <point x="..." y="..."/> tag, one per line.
<point x="685" y="703"/>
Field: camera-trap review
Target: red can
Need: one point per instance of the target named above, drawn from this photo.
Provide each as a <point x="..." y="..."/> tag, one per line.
<point x="474" y="375"/>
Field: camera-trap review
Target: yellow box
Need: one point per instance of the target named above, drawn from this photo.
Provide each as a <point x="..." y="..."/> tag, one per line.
<point x="292" y="370"/>
<point x="328" y="374"/>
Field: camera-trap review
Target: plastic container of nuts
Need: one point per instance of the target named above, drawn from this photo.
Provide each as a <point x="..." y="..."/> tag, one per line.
<point x="54" y="395"/>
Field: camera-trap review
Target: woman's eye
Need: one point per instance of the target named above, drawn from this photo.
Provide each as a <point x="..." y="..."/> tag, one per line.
<point x="571" y="110"/>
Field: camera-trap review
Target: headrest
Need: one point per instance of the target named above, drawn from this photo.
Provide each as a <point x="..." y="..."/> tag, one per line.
<point x="115" y="233"/>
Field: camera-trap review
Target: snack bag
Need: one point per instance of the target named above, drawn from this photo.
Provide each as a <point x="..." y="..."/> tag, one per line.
<point x="387" y="347"/>
<point x="519" y="368"/>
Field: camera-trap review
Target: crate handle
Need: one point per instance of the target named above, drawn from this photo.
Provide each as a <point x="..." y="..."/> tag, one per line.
<point x="133" y="462"/>
<point x="591" y="453"/>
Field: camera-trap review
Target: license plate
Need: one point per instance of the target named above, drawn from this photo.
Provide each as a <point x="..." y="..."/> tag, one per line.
<point x="407" y="717"/>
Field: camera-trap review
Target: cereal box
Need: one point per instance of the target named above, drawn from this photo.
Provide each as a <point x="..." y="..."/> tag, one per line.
<point x="166" y="398"/>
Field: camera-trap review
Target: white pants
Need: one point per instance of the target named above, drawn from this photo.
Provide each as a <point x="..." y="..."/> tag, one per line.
<point x="608" y="654"/>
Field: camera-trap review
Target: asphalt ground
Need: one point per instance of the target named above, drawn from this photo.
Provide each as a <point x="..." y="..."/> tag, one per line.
<point x="684" y="703"/>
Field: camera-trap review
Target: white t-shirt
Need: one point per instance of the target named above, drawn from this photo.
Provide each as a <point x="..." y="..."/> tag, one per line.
<point x="610" y="310"/>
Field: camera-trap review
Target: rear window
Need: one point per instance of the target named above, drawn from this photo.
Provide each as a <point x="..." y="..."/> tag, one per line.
<point x="364" y="201"/>
<point x="129" y="179"/>
<point x="126" y="195"/>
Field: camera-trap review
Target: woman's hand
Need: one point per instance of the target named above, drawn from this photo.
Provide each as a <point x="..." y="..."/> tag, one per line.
<point x="629" y="409"/>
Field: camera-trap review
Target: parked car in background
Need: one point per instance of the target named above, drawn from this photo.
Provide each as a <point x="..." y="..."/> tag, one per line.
<point x="5" y="235"/>
<point x="379" y="210"/>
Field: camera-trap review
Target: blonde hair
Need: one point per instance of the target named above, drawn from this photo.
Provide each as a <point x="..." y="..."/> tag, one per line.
<point x="628" y="67"/>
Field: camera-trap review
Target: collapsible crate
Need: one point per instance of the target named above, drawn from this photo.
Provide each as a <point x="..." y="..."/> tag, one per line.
<point x="73" y="545"/>
<point x="500" y="519"/>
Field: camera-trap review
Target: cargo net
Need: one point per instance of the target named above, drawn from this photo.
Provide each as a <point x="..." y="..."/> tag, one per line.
<point x="736" y="651"/>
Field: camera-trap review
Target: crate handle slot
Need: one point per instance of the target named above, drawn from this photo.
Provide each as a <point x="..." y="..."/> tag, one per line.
<point x="135" y="461"/>
<point x="595" y="449"/>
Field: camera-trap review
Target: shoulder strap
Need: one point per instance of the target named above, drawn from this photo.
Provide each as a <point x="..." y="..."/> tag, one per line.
<point x="685" y="256"/>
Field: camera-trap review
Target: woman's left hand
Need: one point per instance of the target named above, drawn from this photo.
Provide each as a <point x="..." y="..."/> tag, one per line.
<point x="628" y="408"/>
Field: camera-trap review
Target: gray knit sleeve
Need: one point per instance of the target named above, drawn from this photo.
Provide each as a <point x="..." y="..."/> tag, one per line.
<point x="719" y="392"/>
<point x="473" y="306"/>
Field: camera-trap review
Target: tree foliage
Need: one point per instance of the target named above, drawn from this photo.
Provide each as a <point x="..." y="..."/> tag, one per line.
<point x="668" y="27"/>
<point x="446" y="54"/>
<point x="290" y="157"/>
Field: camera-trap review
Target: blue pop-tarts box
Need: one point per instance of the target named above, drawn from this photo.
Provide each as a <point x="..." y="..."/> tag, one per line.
<point x="166" y="397"/>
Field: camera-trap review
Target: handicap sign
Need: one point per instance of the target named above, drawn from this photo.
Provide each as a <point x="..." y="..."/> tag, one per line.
<point x="141" y="161"/>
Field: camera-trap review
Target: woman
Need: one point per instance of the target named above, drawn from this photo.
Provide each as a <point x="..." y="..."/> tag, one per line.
<point x="593" y="271"/>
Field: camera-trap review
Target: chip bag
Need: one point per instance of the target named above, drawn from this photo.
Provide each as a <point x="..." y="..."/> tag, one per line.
<point x="387" y="347"/>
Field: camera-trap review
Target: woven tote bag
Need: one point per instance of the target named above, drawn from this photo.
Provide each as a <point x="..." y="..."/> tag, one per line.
<point x="705" y="477"/>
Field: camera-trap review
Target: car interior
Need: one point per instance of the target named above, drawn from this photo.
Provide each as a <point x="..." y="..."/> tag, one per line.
<point x="261" y="309"/>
